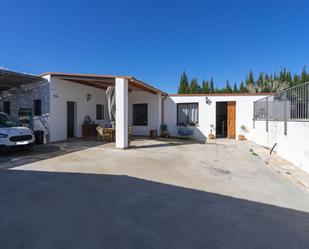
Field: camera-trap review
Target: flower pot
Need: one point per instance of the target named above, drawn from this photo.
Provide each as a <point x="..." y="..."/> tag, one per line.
<point x="241" y="137"/>
<point x="211" y="136"/>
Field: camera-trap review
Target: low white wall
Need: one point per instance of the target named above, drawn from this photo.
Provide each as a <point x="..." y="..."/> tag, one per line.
<point x="62" y="91"/>
<point x="154" y="111"/>
<point x="207" y="113"/>
<point x="293" y="147"/>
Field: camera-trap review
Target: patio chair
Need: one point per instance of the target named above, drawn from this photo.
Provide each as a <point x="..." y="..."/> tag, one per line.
<point x="102" y="134"/>
<point x="164" y="131"/>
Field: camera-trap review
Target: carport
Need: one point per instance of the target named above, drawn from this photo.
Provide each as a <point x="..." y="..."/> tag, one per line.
<point x="9" y="81"/>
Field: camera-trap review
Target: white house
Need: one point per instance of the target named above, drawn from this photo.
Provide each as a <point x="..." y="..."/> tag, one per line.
<point x="221" y="113"/>
<point x="60" y="102"/>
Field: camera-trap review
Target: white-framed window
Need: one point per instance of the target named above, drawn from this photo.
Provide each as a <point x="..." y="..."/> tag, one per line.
<point x="187" y="113"/>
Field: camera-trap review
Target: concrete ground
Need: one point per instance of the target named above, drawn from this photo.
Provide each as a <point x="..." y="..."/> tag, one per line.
<point x="157" y="194"/>
<point x="14" y="158"/>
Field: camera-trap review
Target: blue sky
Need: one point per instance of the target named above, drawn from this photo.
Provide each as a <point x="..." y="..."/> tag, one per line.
<point x="155" y="40"/>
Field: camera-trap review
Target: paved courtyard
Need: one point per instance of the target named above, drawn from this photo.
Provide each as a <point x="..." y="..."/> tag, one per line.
<point x="157" y="194"/>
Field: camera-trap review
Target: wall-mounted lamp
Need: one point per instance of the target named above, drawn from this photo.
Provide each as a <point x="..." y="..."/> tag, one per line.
<point x="89" y="96"/>
<point x="208" y="101"/>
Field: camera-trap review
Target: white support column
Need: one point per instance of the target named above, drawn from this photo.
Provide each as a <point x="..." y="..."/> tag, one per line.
<point x="121" y="91"/>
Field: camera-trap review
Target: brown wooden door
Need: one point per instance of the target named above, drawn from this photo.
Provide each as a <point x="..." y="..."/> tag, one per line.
<point x="231" y="119"/>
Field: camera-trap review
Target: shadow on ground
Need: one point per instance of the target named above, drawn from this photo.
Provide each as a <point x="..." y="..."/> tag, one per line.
<point x="65" y="210"/>
<point x="10" y="159"/>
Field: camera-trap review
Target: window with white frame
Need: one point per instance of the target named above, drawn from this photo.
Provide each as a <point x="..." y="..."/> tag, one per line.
<point x="187" y="113"/>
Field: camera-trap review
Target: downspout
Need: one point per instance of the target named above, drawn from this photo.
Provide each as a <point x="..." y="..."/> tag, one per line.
<point x="162" y="109"/>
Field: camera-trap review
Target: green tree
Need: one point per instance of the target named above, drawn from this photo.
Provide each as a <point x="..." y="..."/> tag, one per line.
<point x="242" y="87"/>
<point x="212" y="87"/>
<point x="288" y="77"/>
<point x="194" y="87"/>
<point x="260" y="81"/>
<point x="235" y="89"/>
<point x="283" y="75"/>
<point x="250" y="78"/>
<point x="296" y="79"/>
<point x="303" y="77"/>
<point x="228" y="88"/>
<point x="184" y="84"/>
<point x="205" y="86"/>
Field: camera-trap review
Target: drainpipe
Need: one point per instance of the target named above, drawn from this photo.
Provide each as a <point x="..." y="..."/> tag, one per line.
<point x="162" y="109"/>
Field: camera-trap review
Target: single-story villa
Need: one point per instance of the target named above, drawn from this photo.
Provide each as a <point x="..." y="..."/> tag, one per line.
<point x="59" y="102"/>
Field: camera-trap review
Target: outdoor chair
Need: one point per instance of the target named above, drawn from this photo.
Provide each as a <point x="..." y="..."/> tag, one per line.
<point x="164" y="131"/>
<point x="102" y="134"/>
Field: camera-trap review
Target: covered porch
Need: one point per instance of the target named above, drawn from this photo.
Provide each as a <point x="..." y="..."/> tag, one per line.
<point x="138" y="105"/>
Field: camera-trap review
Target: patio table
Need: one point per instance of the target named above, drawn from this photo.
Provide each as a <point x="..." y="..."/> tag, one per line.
<point x="111" y="133"/>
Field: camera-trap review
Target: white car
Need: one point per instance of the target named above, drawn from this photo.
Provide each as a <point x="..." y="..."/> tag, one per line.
<point x="13" y="136"/>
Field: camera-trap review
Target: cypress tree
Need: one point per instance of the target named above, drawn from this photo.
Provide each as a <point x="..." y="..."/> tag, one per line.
<point x="205" y="86"/>
<point x="228" y="88"/>
<point x="235" y="89"/>
<point x="296" y="79"/>
<point x="194" y="87"/>
<point x="211" y="88"/>
<point x="288" y="77"/>
<point x="260" y="80"/>
<point x="250" y="79"/>
<point x="282" y="75"/>
<point x="184" y="84"/>
<point x="303" y="77"/>
<point x="242" y="87"/>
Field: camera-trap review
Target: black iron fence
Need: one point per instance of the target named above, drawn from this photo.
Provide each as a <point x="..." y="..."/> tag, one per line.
<point x="289" y="105"/>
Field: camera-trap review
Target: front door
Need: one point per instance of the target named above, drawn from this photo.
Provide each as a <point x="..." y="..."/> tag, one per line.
<point x="231" y="119"/>
<point x="70" y="119"/>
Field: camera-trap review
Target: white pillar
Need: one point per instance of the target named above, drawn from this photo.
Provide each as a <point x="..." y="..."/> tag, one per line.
<point x="121" y="113"/>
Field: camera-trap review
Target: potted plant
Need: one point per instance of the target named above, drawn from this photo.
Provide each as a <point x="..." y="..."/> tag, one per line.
<point x="210" y="135"/>
<point x="243" y="130"/>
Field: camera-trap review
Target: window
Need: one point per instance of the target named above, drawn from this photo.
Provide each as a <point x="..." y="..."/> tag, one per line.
<point x="140" y="114"/>
<point x="100" y="112"/>
<point x="37" y="107"/>
<point x="187" y="114"/>
<point x="7" y="107"/>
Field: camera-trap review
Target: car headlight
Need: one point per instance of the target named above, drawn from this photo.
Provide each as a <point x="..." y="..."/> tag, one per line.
<point x="3" y="135"/>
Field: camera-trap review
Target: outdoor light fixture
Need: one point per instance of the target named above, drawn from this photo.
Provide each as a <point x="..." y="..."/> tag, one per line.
<point x="208" y="101"/>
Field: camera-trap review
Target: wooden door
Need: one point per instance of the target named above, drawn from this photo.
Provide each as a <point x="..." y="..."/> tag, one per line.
<point x="70" y="119"/>
<point x="231" y="119"/>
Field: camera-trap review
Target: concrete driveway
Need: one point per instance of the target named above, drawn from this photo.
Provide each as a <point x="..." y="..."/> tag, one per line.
<point x="158" y="194"/>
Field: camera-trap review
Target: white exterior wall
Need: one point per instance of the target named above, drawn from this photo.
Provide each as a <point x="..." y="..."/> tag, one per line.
<point x="207" y="113"/>
<point x="62" y="91"/>
<point x="293" y="147"/>
<point x="154" y="111"/>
